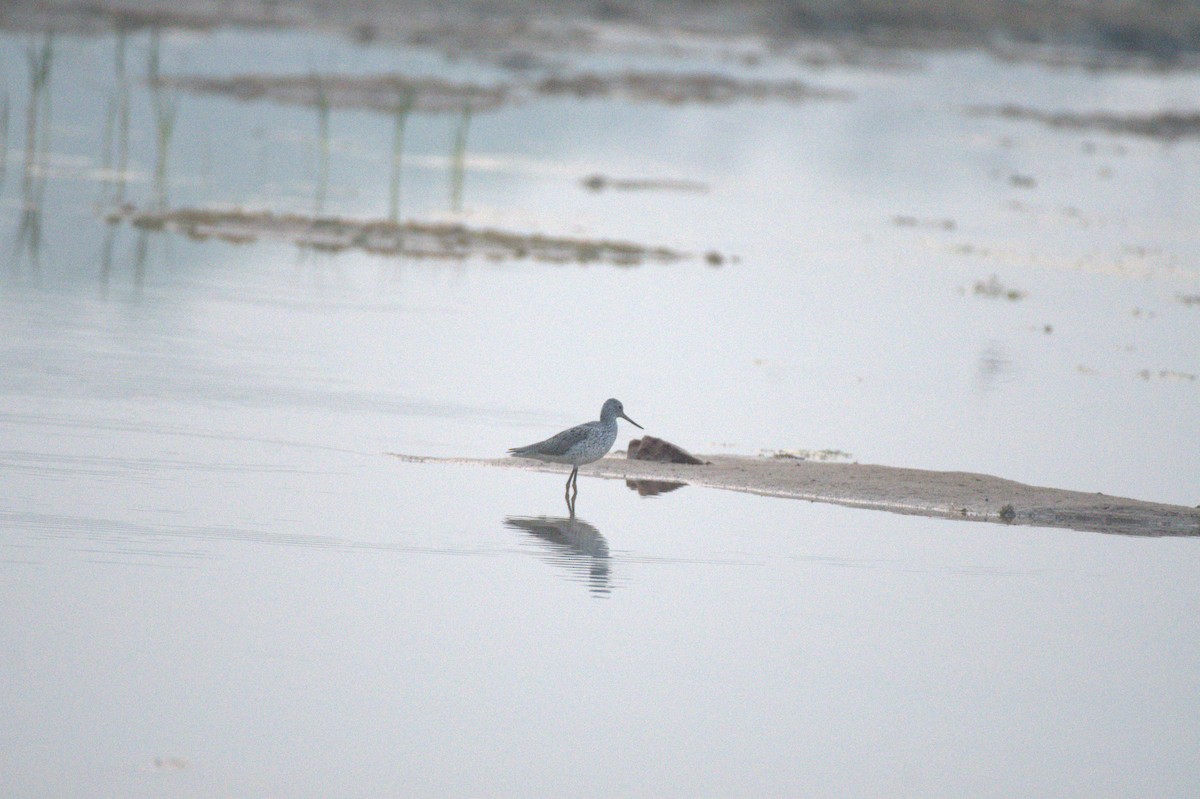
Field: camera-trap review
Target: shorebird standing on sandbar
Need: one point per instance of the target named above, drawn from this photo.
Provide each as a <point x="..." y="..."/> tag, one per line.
<point x="583" y="443"/>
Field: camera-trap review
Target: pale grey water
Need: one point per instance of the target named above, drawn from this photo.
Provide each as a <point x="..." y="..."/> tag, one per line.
<point x="208" y="562"/>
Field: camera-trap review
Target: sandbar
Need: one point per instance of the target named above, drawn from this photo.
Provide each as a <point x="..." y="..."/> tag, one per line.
<point x="950" y="495"/>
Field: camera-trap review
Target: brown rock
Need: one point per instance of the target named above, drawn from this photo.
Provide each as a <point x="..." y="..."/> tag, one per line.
<point x="649" y="448"/>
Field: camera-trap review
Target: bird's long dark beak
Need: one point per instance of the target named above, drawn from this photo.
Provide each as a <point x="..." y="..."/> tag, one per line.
<point x="635" y="424"/>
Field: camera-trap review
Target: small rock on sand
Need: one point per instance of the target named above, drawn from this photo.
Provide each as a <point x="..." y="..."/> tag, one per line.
<point x="649" y="448"/>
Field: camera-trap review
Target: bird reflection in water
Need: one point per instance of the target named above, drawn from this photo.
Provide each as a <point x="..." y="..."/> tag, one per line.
<point x="572" y="544"/>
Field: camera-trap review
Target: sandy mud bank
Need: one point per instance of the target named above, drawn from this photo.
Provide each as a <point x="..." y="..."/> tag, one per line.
<point x="951" y="495"/>
<point x="389" y="93"/>
<point x="380" y="237"/>
<point x="375" y="92"/>
<point x="1165" y="125"/>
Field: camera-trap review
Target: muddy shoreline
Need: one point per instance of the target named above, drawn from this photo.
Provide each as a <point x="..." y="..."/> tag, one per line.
<point x="1163" y="125"/>
<point x="949" y="495"/>
<point x="393" y="238"/>
<point x="515" y="34"/>
<point x="396" y="93"/>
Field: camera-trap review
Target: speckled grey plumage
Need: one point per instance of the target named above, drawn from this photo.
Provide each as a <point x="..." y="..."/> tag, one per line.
<point x="583" y="443"/>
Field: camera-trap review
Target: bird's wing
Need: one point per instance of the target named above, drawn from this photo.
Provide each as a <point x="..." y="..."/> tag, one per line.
<point x="557" y="444"/>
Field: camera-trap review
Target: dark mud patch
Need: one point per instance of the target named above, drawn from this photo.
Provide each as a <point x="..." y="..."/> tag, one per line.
<point x="374" y="92"/>
<point x="432" y="95"/>
<point x="404" y="239"/>
<point x="1164" y="125"/>
<point x="993" y="289"/>
<point x="1167" y="374"/>
<point x="679" y="89"/>
<point x="907" y="220"/>
<point x="598" y="183"/>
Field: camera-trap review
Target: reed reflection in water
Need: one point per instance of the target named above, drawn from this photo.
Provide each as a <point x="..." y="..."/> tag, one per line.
<point x="572" y="544"/>
<point x="28" y="239"/>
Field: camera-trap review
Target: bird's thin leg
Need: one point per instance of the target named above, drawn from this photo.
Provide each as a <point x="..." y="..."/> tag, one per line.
<point x="574" y="471"/>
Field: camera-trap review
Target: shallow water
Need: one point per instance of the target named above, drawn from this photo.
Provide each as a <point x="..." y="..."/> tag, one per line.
<point x="330" y="622"/>
<point x="215" y="581"/>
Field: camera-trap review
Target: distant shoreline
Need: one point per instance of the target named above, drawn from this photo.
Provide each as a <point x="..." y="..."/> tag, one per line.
<point x="512" y="32"/>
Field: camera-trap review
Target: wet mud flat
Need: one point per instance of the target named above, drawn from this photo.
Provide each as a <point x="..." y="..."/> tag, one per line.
<point x="1163" y="125"/>
<point x="950" y="495"/>
<point x="598" y="183"/>
<point x="375" y="92"/>
<point x="389" y="93"/>
<point x="393" y="238"/>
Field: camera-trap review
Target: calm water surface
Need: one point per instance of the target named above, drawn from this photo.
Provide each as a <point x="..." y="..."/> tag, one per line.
<point x="214" y="581"/>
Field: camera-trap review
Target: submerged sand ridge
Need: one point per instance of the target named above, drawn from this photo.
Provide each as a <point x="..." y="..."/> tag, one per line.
<point x="951" y="495"/>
